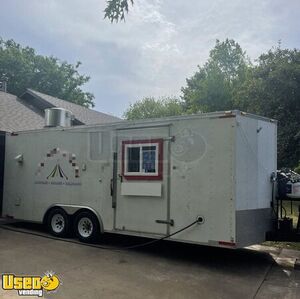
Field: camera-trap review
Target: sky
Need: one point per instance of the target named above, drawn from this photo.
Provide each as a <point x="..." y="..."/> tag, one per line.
<point x="156" y="49"/>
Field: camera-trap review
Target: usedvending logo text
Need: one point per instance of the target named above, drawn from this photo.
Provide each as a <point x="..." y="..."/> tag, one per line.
<point x="31" y="285"/>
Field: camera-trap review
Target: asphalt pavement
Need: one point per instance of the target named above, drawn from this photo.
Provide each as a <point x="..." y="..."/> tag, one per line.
<point x="162" y="270"/>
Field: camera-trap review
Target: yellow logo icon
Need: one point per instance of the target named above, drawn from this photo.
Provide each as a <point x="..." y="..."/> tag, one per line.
<point x="27" y="285"/>
<point x="50" y="282"/>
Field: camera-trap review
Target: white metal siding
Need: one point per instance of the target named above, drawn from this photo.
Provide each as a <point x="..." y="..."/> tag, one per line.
<point x="204" y="186"/>
<point x="255" y="161"/>
<point x="219" y="166"/>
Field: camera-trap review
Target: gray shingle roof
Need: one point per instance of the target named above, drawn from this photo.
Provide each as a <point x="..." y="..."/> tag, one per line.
<point x="84" y="115"/>
<point x="15" y="116"/>
<point x="27" y="111"/>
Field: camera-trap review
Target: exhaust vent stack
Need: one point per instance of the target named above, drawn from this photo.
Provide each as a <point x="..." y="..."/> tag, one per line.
<point x="58" y="117"/>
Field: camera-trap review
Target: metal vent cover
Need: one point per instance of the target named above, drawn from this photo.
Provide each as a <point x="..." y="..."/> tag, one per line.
<point x="58" y="117"/>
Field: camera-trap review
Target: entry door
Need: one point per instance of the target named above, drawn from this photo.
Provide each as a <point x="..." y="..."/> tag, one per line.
<point x="142" y="178"/>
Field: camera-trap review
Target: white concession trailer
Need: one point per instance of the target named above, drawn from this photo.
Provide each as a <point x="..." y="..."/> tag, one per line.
<point x="208" y="174"/>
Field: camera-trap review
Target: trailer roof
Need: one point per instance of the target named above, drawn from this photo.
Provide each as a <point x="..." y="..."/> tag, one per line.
<point x="156" y="122"/>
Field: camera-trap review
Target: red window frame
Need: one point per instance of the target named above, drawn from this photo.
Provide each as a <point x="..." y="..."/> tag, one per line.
<point x="160" y="148"/>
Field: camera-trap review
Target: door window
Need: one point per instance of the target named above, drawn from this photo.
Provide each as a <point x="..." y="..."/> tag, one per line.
<point x="142" y="159"/>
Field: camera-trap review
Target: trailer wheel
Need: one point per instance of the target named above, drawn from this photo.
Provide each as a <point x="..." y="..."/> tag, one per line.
<point x="87" y="227"/>
<point x="58" y="222"/>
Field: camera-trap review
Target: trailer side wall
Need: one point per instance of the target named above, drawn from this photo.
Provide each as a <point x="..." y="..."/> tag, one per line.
<point x="215" y="166"/>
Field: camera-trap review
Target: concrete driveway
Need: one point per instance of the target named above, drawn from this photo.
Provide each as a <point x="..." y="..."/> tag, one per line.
<point x="162" y="270"/>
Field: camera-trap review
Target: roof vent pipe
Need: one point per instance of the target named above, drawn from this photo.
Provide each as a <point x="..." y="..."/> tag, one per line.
<point x="58" y="117"/>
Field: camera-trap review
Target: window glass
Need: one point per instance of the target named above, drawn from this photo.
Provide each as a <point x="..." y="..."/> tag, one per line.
<point x="149" y="158"/>
<point x="133" y="156"/>
<point x="142" y="160"/>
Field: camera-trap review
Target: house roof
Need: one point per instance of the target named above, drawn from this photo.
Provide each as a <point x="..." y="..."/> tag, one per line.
<point x="15" y="116"/>
<point x="82" y="114"/>
<point x="27" y="111"/>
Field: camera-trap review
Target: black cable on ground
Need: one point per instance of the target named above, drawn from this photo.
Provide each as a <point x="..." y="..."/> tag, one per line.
<point x="99" y="246"/>
<point x="163" y="238"/>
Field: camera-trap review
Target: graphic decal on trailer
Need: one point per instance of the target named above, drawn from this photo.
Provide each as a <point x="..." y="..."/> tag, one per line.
<point x="58" y="167"/>
<point x="57" y="171"/>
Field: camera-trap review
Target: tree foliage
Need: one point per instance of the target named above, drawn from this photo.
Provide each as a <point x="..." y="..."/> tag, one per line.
<point x="228" y="80"/>
<point x="273" y="90"/>
<point x="116" y="9"/>
<point x="22" y="68"/>
<point x="213" y="86"/>
<point x="154" y="108"/>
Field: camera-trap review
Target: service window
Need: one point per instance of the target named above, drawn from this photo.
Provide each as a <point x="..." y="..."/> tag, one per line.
<point x="142" y="159"/>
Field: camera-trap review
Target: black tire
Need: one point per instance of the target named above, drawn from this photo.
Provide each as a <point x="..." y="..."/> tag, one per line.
<point x="58" y="222"/>
<point x="86" y="227"/>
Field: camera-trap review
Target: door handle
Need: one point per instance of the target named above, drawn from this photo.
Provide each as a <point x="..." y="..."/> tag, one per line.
<point x="171" y="222"/>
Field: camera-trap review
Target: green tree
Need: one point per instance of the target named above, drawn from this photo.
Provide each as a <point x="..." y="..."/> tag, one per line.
<point x="116" y="9"/>
<point x="213" y="86"/>
<point x="22" y="68"/>
<point x="152" y="108"/>
<point x="272" y="89"/>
